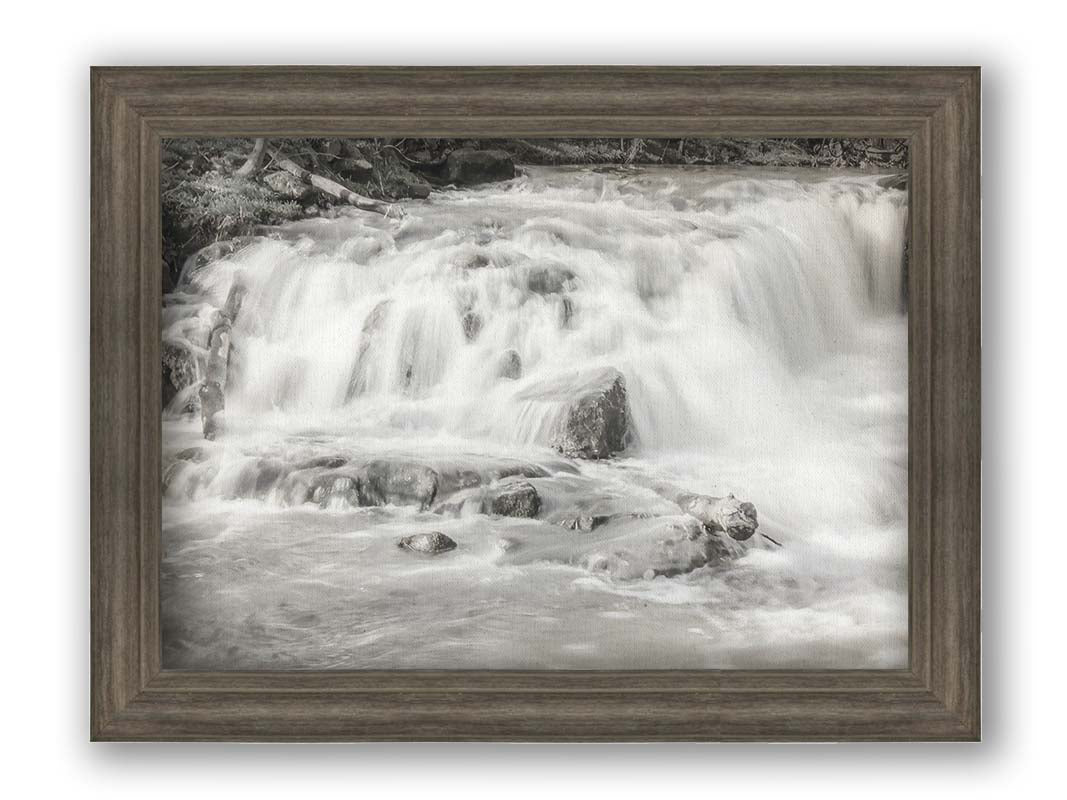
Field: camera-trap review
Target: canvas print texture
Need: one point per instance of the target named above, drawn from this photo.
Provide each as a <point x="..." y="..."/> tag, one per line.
<point x="534" y="404"/>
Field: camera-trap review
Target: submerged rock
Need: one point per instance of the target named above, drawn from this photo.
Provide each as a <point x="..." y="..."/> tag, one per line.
<point x="465" y="166"/>
<point x="595" y="423"/>
<point x="510" y="365"/>
<point x="515" y="499"/>
<point x="472" y="325"/>
<point x="368" y="336"/>
<point x="579" y="521"/>
<point x="430" y="543"/>
<point x="566" y="312"/>
<point x="475" y="261"/>
<point x="630" y="546"/>
<point x="549" y="279"/>
<point x="676" y="546"/>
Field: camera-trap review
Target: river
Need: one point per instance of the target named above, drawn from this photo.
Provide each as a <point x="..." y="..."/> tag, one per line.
<point x="759" y="320"/>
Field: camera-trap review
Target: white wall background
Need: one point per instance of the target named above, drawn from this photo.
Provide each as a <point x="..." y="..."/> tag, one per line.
<point x="44" y="292"/>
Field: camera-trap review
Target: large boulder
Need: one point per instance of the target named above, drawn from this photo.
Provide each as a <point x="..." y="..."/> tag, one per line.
<point x="466" y="166"/>
<point x="595" y="421"/>
<point x="401" y="483"/>
<point x="515" y="499"/>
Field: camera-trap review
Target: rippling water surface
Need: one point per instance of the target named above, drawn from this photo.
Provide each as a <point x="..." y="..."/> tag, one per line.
<point x="759" y="321"/>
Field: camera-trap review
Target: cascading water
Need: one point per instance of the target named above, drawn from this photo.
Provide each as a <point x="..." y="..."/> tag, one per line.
<point x="758" y="320"/>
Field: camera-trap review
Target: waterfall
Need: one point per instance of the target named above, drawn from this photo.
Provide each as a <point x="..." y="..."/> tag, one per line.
<point x="757" y="318"/>
<point x="712" y="300"/>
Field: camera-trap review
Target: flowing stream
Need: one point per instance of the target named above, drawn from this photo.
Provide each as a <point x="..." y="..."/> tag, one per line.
<point x="758" y="318"/>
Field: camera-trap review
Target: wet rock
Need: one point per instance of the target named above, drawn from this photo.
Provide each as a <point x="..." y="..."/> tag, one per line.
<point x="289" y="186"/>
<point x="416" y="190"/>
<point x="431" y="543"/>
<point x="472" y="325"/>
<point x="631" y="547"/>
<point x="334" y="489"/>
<point x="549" y="279"/>
<point x="595" y="423"/>
<point x="400" y="483"/>
<point x="510" y="366"/>
<point x="727" y="515"/>
<point x="212" y="405"/>
<point x="465" y="166"/>
<point x="675" y="546"/>
<point x="516" y="499"/>
<point x="218" y="358"/>
<point x="180" y="369"/>
<point x="258" y="479"/>
<point x="578" y="521"/>
<point x="368" y="336"/>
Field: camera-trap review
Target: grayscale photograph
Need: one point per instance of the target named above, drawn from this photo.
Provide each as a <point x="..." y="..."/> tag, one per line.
<point x="534" y="404"/>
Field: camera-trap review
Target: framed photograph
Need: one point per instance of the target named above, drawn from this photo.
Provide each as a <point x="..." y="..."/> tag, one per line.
<point x="554" y="404"/>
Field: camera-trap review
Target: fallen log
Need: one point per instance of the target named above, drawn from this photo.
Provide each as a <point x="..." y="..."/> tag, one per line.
<point x="335" y="190"/>
<point x="254" y="161"/>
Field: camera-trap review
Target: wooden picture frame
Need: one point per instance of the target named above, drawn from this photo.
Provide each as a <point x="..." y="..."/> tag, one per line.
<point x="936" y="698"/>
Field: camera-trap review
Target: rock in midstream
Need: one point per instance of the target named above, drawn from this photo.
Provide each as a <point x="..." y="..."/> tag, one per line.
<point x="430" y="543"/>
<point x="594" y="417"/>
<point x="472" y="325"/>
<point x="630" y="547"/>
<point x="515" y="499"/>
<point x="510" y="365"/>
<point x="377" y="483"/>
<point x="677" y="546"/>
<point x="724" y="514"/>
<point x="595" y="422"/>
<point x="549" y="278"/>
